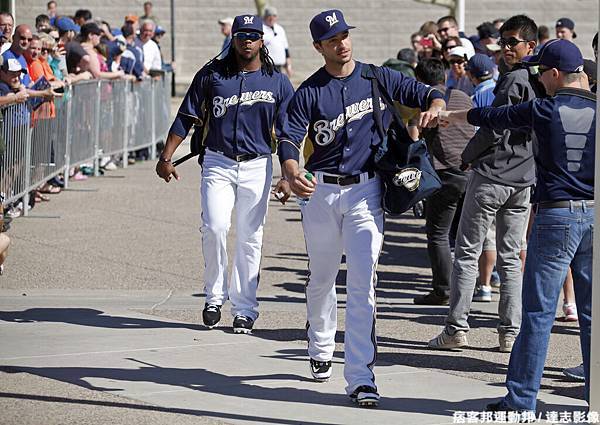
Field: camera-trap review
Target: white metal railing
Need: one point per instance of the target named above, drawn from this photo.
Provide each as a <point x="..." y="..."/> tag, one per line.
<point x="92" y="119"/>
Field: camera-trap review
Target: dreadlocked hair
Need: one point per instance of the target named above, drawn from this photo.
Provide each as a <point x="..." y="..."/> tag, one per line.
<point x="230" y="64"/>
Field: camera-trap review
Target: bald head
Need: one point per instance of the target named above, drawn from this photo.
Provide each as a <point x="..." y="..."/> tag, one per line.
<point x="21" y="39"/>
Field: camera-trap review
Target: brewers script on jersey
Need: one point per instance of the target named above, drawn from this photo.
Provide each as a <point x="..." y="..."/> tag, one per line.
<point x="344" y="213"/>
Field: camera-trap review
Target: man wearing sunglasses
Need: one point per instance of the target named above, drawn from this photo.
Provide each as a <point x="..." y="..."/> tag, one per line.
<point x="21" y="41"/>
<point x="561" y="235"/>
<point x="240" y="98"/>
<point x="503" y="172"/>
<point x="448" y="27"/>
<point x="343" y="211"/>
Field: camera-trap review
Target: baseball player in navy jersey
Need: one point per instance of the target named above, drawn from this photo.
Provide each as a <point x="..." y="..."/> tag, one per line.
<point x="343" y="213"/>
<point x="244" y="98"/>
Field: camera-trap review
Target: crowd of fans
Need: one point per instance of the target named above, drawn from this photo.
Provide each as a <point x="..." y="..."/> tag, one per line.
<point x="467" y="69"/>
<point x="38" y="62"/>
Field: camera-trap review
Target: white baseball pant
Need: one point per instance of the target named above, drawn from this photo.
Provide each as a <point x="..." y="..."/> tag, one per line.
<point x="336" y="220"/>
<point x="227" y="184"/>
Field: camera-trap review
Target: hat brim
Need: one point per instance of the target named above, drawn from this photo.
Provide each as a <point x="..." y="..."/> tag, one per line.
<point x="334" y="31"/>
<point x="247" y="29"/>
<point x="532" y="60"/>
<point x="493" y="47"/>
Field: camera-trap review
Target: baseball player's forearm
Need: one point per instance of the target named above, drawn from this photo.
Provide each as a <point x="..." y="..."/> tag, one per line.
<point x="437" y="105"/>
<point x="173" y="141"/>
<point x="290" y="168"/>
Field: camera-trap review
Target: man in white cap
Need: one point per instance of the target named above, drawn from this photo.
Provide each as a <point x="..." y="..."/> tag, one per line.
<point x="225" y="24"/>
<point x="276" y="41"/>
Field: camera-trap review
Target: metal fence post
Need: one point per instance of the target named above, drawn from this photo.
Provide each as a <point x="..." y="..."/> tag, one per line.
<point x="128" y="86"/>
<point x="153" y="118"/>
<point x="69" y="93"/>
<point x="97" y="131"/>
<point x="27" y="170"/>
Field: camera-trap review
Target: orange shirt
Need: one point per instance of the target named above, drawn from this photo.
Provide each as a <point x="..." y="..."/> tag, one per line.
<point x="40" y="68"/>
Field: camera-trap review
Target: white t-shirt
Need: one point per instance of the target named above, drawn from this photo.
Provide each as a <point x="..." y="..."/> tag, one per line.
<point x="152" y="58"/>
<point x="277" y="43"/>
<point x="4" y="47"/>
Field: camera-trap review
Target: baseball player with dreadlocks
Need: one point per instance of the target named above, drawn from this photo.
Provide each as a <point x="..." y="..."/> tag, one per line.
<point x="242" y="97"/>
<point x="343" y="214"/>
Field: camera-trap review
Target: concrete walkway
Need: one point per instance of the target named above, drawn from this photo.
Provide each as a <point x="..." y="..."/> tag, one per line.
<point x="100" y="322"/>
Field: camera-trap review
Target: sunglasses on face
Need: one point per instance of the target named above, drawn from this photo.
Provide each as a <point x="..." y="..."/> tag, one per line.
<point x="541" y="70"/>
<point x="510" y="42"/>
<point x="26" y="39"/>
<point x="449" y="47"/>
<point x="456" y="61"/>
<point x="441" y="30"/>
<point x="47" y="50"/>
<point x="252" y="36"/>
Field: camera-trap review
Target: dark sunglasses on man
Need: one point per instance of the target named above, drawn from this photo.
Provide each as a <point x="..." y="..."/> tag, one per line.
<point x="510" y="42"/>
<point x="252" y="36"/>
<point x="456" y="61"/>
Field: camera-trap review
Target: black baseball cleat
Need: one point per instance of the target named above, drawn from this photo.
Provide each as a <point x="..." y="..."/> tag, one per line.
<point x="242" y="325"/>
<point x="320" y="371"/>
<point x="365" y="396"/>
<point x="211" y="315"/>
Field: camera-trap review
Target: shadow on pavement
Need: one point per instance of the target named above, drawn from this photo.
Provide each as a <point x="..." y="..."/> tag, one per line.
<point x="144" y="407"/>
<point x="202" y="380"/>
<point x="88" y="317"/>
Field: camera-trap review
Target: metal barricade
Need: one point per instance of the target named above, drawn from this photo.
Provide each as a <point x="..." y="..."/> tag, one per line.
<point x="113" y="110"/>
<point x="141" y="115"/>
<point x="162" y="107"/>
<point x="15" y="161"/>
<point x="84" y="121"/>
<point x="93" y="118"/>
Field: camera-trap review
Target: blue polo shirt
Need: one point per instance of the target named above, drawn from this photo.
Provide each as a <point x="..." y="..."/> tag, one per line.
<point x="338" y="113"/>
<point x="565" y="142"/>
<point x="9" y="54"/>
<point x="484" y="93"/>
<point x="243" y="109"/>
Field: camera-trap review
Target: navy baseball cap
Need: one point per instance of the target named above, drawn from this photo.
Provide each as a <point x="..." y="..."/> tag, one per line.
<point x="64" y="24"/>
<point x="560" y="54"/>
<point x="480" y="65"/>
<point x="565" y="22"/>
<point x="327" y="24"/>
<point x="251" y="23"/>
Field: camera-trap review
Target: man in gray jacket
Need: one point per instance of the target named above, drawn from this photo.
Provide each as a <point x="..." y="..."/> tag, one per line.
<point x="499" y="186"/>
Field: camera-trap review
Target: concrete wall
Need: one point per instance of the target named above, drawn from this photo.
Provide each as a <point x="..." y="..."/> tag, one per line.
<point x="383" y="27"/>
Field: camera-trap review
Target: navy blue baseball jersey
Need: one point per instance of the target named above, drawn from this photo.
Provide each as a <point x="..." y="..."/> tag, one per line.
<point x="565" y="142"/>
<point x="242" y="109"/>
<point x="338" y="113"/>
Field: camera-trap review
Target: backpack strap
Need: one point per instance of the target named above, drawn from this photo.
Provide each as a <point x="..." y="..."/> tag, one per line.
<point x="380" y="92"/>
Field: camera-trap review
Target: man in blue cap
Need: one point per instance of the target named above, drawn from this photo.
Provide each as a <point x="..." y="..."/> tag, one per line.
<point x="480" y="70"/>
<point x="341" y="211"/>
<point x="241" y="98"/>
<point x="561" y="235"/>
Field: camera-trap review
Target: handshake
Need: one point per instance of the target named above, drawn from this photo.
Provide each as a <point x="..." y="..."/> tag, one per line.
<point x="445" y="118"/>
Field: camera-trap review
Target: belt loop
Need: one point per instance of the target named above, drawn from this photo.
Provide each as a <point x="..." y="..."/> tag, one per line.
<point x="571" y="206"/>
<point x="584" y="206"/>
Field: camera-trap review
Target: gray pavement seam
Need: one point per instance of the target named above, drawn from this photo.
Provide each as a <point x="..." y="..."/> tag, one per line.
<point x="167" y="298"/>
